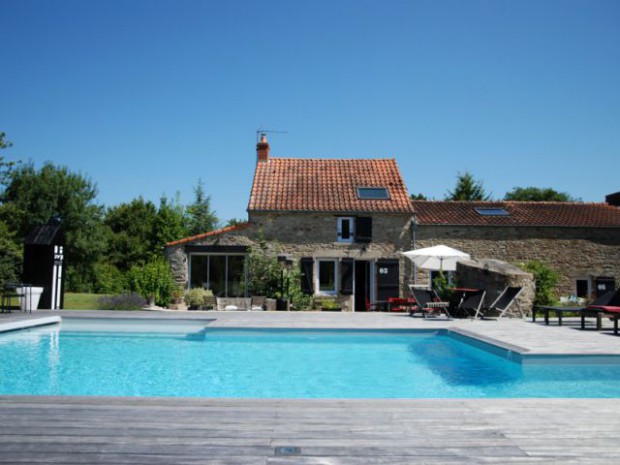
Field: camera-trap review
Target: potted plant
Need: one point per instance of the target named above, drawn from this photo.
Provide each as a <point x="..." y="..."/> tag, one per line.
<point x="194" y="298"/>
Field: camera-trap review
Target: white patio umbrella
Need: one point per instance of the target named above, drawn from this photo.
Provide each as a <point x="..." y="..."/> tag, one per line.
<point x="439" y="257"/>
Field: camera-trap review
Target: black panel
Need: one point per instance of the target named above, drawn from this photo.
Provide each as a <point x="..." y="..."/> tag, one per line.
<point x="387" y="279"/>
<point x="307" y="275"/>
<point x="363" y="229"/>
<point x="346" y="276"/>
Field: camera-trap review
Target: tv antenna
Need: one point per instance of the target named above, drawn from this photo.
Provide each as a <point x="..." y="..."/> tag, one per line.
<point x="260" y="131"/>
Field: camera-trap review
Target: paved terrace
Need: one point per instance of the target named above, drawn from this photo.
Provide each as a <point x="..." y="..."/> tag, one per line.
<point x="241" y="431"/>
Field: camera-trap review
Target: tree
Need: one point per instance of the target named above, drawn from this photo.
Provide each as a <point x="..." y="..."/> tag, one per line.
<point x="199" y="216"/>
<point x="537" y="194"/>
<point x="131" y="229"/>
<point x="418" y="197"/>
<point x="5" y="167"/>
<point x="234" y="222"/>
<point x="467" y="188"/>
<point x="169" y="223"/>
<point x="33" y="196"/>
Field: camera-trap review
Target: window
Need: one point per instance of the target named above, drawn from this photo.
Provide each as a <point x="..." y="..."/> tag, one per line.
<point x="373" y="193"/>
<point x="492" y="212"/>
<point x="326" y="276"/>
<point x="582" y="288"/>
<point x="223" y="274"/>
<point x="346" y="229"/>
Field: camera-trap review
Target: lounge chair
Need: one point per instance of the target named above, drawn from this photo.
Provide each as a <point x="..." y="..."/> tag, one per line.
<point x="501" y="305"/>
<point x="427" y="303"/>
<point x="471" y="303"/>
<point x="606" y="305"/>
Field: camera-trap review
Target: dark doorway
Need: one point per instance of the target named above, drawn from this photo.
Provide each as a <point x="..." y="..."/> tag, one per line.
<point x="362" y="285"/>
<point x="387" y="279"/>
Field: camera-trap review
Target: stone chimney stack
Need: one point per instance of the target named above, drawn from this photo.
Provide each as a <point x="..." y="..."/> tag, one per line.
<point x="262" y="149"/>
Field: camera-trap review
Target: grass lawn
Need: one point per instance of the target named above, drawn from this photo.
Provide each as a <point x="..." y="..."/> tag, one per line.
<point x="79" y="301"/>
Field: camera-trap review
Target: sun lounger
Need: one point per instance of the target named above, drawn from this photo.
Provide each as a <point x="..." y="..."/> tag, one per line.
<point x="606" y="305"/>
<point x="428" y="303"/>
<point x="471" y="302"/>
<point x="501" y="305"/>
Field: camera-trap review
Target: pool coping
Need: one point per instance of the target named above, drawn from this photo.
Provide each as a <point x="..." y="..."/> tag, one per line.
<point x="510" y="351"/>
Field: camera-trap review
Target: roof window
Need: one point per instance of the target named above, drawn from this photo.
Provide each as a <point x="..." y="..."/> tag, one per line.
<point x="492" y="212"/>
<point x="373" y="193"/>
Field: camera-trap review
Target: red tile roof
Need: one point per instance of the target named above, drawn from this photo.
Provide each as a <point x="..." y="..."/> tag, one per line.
<point x="327" y="185"/>
<point x="236" y="227"/>
<point x="567" y="214"/>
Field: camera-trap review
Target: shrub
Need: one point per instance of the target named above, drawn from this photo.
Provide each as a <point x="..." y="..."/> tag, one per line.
<point x="153" y="281"/>
<point x="194" y="298"/>
<point x="109" y="279"/>
<point x="546" y="280"/>
<point x="125" y="301"/>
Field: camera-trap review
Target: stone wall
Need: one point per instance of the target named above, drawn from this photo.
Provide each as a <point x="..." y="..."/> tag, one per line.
<point x="573" y="252"/>
<point x="310" y="235"/>
<point x="493" y="276"/>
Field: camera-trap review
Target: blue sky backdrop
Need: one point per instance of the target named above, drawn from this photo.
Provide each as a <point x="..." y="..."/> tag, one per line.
<point x="146" y="96"/>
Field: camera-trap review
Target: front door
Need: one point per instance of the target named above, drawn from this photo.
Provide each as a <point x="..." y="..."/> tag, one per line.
<point x="387" y="279"/>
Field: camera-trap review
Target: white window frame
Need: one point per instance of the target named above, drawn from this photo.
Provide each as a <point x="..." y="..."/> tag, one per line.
<point x="351" y="237"/>
<point x="317" y="282"/>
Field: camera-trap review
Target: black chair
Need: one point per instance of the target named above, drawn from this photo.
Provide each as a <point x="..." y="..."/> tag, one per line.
<point x="16" y="291"/>
<point x="471" y="303"/>
<point x="428" y="303"/>
<point x="501" y="305"/>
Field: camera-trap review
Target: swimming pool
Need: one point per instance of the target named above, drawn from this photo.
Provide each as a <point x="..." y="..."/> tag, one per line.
<point x="187" y="359"/>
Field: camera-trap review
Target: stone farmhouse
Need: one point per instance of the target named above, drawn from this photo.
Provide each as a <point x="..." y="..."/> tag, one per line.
<point x="346" y="222"/>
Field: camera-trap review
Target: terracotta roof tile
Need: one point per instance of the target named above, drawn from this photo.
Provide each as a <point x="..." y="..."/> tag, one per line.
<point x="236" y="227"/>
<point x="297" y="184"/>
<point x="567" y="214"/>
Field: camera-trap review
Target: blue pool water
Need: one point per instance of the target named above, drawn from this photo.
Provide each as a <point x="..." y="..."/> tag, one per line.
<point x="196" y="362"/>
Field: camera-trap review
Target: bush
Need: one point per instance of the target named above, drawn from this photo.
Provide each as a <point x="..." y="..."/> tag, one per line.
<point x="194" y="298"/>
<point x="125" y="301"/>
<point x="109" y="279"/>
<point x="546" y="280"/>
<point x="153" y="281"/>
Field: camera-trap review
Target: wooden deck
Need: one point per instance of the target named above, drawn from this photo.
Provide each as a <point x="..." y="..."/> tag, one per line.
<point x="100" y="430"/>
<point x="186" y="431"/>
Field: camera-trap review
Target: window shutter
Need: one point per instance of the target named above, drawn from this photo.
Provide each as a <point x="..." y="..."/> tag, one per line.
<point x="307" y="275"/>
<point x="363" y="229"/>
<point x="346" y="276"/>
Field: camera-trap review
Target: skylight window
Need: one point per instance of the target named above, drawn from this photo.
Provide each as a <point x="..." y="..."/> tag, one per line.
<point x="373" y="193"/>
<point x="492" y="212"/>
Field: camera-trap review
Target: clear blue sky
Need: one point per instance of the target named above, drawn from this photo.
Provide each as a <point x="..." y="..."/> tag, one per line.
<point x="145" y="97"/>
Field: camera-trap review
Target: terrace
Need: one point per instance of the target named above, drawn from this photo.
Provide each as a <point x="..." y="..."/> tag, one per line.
<point x="350" y="431"/>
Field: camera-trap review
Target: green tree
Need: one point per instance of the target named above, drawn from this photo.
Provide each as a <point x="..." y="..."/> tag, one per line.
<point x="199" y="216"/>
<point x="169" y="223"/>
<point x="418" y="197"/>
<point x="467" y="188"/>
<point x="131" y="229"/>
<point x="33" y="196"/>
<point x="10" y="248"/>
<point x="546" y="280"/>
<point x="538" y="194"/>
<point x="234" y="222"/>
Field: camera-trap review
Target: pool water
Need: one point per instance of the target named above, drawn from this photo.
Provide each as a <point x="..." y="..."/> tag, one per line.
<point x="88" y="359"/>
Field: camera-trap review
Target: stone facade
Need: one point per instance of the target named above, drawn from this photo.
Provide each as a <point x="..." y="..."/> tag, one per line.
<point x="576" y="253"/>
<point x="310" y="235"/>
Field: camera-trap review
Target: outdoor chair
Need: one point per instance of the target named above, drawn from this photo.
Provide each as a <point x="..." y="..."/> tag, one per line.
<point x="501" y="305"/>
<point x="606" y="305"/>
<point x="428" y="303"/>
<point x="259" y="302"/>
<point x="471" y="303"/>
<point x="210" y="302"/>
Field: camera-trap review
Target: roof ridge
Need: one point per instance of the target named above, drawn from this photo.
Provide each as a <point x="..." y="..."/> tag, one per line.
<point x="216" y="232"/>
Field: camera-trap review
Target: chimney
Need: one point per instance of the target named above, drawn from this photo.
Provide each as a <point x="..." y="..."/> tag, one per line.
<point x="262" y="149"/>
<point x="613" y="199"/>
